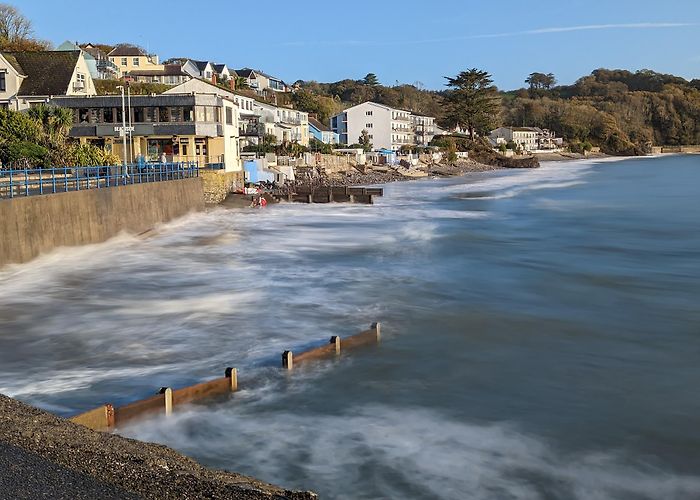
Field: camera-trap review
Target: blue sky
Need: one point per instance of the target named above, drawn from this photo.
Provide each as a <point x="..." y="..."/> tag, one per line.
<point x="404" y="41"/>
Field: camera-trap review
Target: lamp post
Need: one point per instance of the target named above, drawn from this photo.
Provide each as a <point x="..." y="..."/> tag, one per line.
<point x="123" y="131"/>
<point x="131" y="138"/>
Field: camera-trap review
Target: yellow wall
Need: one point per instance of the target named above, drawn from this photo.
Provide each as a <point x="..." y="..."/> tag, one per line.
<point x="144" y="63"/>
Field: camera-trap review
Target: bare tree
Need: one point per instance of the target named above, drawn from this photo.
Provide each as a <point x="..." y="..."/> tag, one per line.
<point x="13" y="25"/>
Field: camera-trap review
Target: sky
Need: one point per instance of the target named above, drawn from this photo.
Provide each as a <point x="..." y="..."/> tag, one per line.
<point x="405" y="41"/>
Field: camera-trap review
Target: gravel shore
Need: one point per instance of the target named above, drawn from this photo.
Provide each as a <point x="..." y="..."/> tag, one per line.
<point x="43" y="456"/>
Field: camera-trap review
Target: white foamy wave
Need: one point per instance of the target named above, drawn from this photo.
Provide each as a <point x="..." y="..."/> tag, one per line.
<point x="382" y="452"/>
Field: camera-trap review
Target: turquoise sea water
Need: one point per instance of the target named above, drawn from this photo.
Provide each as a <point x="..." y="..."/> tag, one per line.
<point x="541" y="335"/>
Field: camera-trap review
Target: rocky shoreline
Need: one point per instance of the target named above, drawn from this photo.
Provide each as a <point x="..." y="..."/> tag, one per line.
<point x="50" y="457"/>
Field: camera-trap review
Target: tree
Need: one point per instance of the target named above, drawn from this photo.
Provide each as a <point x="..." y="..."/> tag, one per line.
<point x="16" y="31"/>
<point x="472" y="102"/>
<point x="240" y="83"/>
<point x="365" y="141"/>
<point x="539" y="81"/>
<point x="370" y="80"/>
<point x="13" y="25"/>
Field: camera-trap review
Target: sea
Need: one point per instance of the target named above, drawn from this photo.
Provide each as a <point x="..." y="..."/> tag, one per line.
<point x="540" y="335"/>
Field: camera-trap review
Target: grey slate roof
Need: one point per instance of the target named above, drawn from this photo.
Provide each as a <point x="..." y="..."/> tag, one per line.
<point x="14" y="63"/>
<point x="48" y="72"/>
<point x="126" y="51"/>
<point x="201" y="65"/>
<point x="316" y="123"/>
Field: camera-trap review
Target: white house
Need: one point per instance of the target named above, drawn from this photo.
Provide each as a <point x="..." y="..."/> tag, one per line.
<point x="222" y="72"/>
<point x="527" y="138"/>
<point x="424" y="129"/>
<point x="31" y="78"/>
<point x="260" y="82"/>
<point x="388" y="128"/>
<point x="199" y="69"/>
<point x="255" y="119"/>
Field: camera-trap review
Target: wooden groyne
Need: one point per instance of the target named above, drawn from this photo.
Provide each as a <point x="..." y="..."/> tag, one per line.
<point x="331" y="194"/>
<point x="107" y="417"/>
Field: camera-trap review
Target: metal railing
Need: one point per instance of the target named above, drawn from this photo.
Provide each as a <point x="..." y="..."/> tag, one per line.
<point x="32" y="182"/>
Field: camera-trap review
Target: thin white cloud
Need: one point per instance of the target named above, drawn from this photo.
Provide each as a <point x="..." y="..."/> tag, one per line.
<point x="540" y="31"/>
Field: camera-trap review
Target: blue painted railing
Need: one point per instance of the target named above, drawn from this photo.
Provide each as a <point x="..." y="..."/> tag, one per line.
<point x="31" y="182"/>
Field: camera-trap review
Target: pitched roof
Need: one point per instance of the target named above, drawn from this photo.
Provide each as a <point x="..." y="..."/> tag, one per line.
<point x="48" y="72"/>
<point x="219" y="67"/>
<point x="320" y="126"/>
<point x="245" y="72"/>
<point x="168" y="70"/>
<point x="201" y="65"/>
<point x="126" y="50"/>
<point x="14" y="63"/>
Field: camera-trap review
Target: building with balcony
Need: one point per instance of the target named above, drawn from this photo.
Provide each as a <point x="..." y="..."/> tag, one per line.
<point x="388" y="128"/>
<point x="526" y="138"/>
<point x="98" y="63"/>
<point x="171" y="74"/>
<point x="256" y="118"/>
<point x="260" y="82"/>
<point x="106" y="69"/>
<point x="30" y="78"/>
<point x="424" y="129"/>
<point x="183" y="127"/>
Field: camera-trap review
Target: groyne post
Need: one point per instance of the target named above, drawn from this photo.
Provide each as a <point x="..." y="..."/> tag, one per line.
<point x="287" y="360"/>
<point x="168" y="399"/>
<point x="232" y="374"/>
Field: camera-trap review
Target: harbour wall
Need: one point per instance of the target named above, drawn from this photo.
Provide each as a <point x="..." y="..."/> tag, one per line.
<point x="30" y="226"/>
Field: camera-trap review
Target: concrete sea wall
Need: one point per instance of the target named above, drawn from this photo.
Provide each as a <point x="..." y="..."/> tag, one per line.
<point x="38" y="224"/>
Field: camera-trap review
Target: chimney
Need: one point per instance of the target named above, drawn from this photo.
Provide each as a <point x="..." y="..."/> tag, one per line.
<point x="232" y="83"/>
<point x="213" y="78"/>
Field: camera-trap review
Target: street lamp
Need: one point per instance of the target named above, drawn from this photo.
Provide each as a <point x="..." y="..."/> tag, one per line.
<point x="123" y="130"/>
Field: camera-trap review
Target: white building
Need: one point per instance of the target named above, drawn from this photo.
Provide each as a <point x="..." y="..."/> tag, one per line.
<point x="388" y="128"/>
<point x="526" y="138"/>
<point x="424" y="128"/>
<point x="256" y="119"/>
<point x="31" y="78"/>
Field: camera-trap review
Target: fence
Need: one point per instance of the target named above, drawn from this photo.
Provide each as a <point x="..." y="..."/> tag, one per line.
<point x="31" y="182"/>
<point x="107" y="417"/>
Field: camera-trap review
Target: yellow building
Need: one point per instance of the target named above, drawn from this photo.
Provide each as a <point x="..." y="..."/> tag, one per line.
<point x="128" y="58"/>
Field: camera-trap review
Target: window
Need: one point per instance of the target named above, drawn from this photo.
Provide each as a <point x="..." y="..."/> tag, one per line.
<point x="125" y="61"/>
<point x="229" y="116"/>
<point x="369" y="113"/>
<point x="3" y="86"/>
<point x="135" y="61"/>
<point x="369" y="125"/>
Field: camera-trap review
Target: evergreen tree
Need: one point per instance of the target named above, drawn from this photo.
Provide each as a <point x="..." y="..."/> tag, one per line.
<point x="472" y="102"/>
<point x="371" y="80"/>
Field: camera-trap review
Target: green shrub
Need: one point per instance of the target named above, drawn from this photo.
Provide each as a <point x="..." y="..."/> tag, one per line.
<point x="15" y="152"/>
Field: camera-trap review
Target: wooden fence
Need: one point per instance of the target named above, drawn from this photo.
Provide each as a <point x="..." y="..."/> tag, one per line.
<point x="107" y="417"/>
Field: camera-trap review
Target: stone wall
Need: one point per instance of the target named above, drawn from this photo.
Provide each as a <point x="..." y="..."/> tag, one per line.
<point x="218" y="184"/>
<point x="38" y="224"/>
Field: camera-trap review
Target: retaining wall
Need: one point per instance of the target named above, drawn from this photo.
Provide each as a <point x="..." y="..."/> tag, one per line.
<point x="38" y="224"/>
<point x="218" y="184"/>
